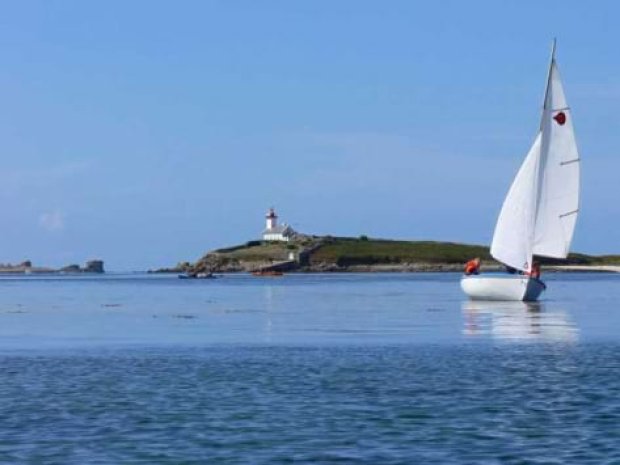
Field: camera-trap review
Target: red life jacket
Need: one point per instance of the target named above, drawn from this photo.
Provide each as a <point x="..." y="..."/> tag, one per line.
<point x="471" y="267"/>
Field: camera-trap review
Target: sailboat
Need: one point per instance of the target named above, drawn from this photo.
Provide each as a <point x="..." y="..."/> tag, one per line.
<point x="540" y="211"/>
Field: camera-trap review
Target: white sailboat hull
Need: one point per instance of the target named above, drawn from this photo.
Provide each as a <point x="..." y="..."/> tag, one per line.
<point x="502" y="287"/>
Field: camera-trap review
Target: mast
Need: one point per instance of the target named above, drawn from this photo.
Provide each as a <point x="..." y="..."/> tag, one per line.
<point x="551" y="62"/>
<point x="539" y="171"/>
<point x="544" y="146"/>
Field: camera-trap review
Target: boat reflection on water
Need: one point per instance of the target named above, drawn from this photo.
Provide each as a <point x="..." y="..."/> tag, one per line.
<point x="518" y="321"/>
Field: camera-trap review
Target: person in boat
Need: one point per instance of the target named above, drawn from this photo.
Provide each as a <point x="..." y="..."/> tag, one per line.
<point x="535" y="271"/>
<point x="472" y="266"/>
<point x="510" y="270"/>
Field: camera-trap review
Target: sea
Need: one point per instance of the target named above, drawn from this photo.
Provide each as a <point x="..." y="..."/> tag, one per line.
<point x="306" y="369"/>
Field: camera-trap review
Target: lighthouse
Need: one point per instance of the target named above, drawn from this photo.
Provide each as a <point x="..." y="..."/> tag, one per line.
<point x="274" y="231"/>
<point x="272" y="219"/>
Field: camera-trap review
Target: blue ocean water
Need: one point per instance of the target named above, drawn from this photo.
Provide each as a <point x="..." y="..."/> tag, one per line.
<point x="343" y="368"/>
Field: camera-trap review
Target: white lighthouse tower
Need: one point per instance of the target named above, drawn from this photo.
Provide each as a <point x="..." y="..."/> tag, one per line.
<point x="272" y="219"/>
<point x="275" y="232"/>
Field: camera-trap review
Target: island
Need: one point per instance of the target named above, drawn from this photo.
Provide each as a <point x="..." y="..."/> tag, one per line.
<point x="26" y="267"/>
<point x="303" y="253"/>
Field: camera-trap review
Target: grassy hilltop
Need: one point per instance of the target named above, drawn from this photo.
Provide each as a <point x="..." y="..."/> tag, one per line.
<point x="313" y="253"/>
<point x="350" y="251"/>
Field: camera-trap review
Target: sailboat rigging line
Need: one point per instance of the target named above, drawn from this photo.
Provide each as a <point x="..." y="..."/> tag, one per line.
<point x="574" y="212"/>
<point x="570" y="161"/>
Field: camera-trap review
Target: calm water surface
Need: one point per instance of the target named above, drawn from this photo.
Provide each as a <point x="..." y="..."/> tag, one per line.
<point x="377" y="369"/>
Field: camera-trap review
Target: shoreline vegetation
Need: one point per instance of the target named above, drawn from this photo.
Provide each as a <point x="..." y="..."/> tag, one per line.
<point x="363" y="254"/>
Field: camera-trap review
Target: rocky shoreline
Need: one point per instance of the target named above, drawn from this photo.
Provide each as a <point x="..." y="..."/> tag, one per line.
<point x="380" y="268"/>
<point x="327" y="254"/>
<point x="26" y="267"/>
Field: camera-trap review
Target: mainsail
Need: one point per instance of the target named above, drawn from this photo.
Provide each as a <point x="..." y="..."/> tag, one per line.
<point x="540" y="210"/>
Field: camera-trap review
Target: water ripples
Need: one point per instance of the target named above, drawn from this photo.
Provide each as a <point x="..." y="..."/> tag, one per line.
<point x="430" y="404"/>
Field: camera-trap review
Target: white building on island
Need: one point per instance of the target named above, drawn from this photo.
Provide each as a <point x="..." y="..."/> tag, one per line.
<point x="275" y="232"/>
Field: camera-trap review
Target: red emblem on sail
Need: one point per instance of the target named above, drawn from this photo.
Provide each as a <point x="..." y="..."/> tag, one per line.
<point x="560" y="118"/>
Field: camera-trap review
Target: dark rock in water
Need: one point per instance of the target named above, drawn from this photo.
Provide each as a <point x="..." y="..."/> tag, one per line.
<point x="181" y="267"/>
<point x="71" y="269"/>
<point x="94" y="266"/>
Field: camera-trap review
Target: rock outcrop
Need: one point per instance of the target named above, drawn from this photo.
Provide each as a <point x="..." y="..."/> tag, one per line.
<point x="94" y="266"/>
<point x="26" y="267"/>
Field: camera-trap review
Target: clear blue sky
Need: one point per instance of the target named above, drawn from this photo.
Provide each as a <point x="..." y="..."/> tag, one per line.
<point x="148" y="132"/>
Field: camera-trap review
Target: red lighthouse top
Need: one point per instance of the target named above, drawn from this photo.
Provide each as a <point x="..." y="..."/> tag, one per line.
<point x="271" y="213"/>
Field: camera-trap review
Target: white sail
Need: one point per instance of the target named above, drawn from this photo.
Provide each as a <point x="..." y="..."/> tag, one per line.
<point x="514" y="231"/>
<point x="558" y="196"/>
<point x="540" y="210"/>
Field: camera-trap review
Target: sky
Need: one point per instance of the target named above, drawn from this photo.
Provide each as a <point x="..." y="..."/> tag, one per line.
<point x="146" y="133"/>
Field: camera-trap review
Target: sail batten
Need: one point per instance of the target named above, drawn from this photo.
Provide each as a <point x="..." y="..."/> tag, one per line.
<point x="574" y="212"/>
<point x="539" y="213"/>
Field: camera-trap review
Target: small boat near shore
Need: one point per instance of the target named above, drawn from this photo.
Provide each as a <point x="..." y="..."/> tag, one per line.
<point x="540" y="211"/>
<point x="197" y="276"/>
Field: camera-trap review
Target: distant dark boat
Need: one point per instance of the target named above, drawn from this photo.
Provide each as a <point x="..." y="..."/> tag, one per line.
<point x="197" y="276"/>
